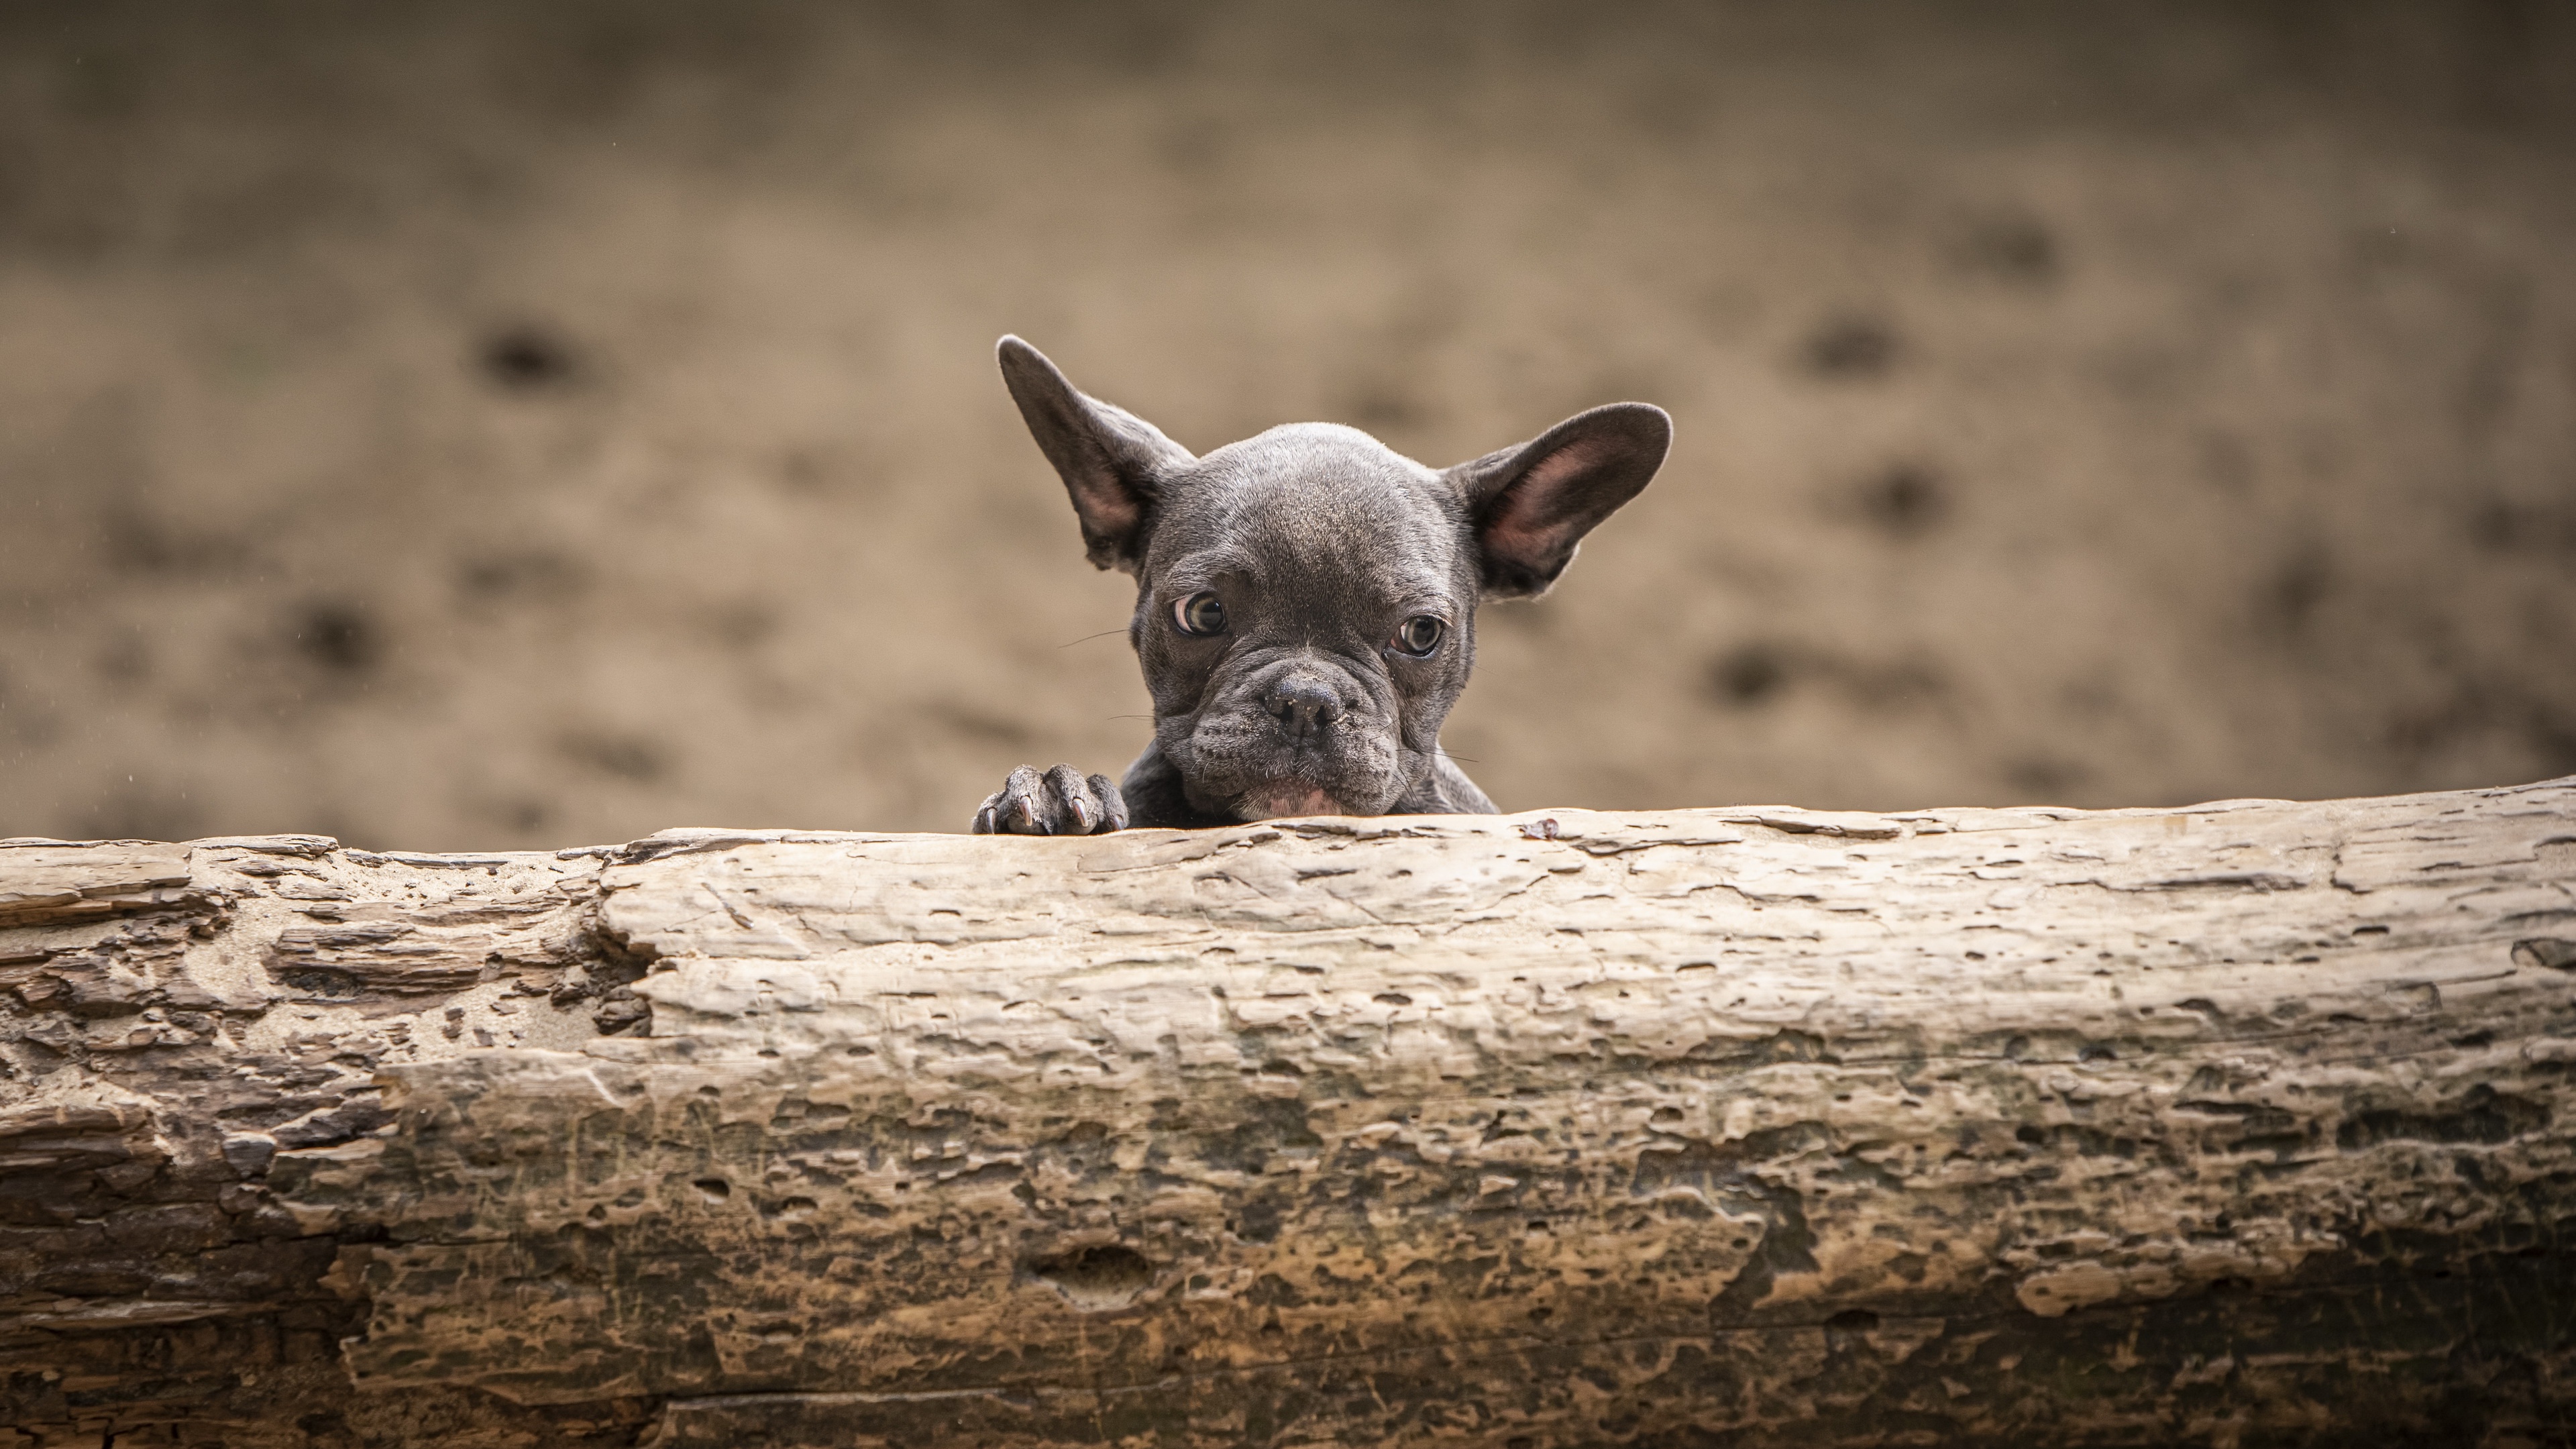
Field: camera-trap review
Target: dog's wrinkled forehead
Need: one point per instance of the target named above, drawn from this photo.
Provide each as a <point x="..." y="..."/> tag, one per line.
<point x="1314" y="501"/>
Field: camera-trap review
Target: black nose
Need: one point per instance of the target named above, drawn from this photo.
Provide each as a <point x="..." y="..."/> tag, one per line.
<point x="1302" y="706"/>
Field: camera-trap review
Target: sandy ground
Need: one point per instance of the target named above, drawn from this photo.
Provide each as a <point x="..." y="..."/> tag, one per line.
<point x="450" y="427"/>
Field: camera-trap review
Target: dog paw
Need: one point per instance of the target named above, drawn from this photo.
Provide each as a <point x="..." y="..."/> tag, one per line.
<point x="1061" y="801"/>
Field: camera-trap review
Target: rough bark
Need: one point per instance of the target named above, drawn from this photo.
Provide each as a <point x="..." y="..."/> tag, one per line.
<point x="2235" y="1125"/>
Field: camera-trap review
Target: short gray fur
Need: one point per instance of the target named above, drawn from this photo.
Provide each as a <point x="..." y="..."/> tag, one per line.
<point x="1322" y="547"/>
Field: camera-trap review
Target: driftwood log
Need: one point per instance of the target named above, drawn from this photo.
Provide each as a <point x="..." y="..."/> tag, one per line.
<point x="2241" y="1124"/>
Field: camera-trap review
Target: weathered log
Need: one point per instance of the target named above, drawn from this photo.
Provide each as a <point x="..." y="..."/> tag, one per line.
<point x="2239" y="1124"/>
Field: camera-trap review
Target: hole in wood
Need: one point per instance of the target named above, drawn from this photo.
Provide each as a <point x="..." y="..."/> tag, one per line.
<point x="2548" y="951"/>
<point x="1097" y="1278"/>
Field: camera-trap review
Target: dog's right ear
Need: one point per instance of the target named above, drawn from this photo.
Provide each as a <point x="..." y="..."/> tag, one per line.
<point x="1533" y="504"/>
<point x="1113" y="461"/>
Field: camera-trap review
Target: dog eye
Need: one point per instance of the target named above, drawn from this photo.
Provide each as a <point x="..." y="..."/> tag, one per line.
<point x="1419" y="635"/>
<point x="1200" y="614"/>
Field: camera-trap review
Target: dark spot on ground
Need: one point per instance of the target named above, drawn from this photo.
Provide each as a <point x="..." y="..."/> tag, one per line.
<point x="828" y="468"/>
<point x="2502" y="526"/>
<point x="2493" y="526"/>
<point x="137" y="543"/>
<point x="2297" y="586"/>
<point x="286" y="201"/>
<point x="1885" y="686"/>
<point x="518" y="573"/>
<point x="525" y="816"/>
<point x="1384" y="405"/>
<point x="1195" y="146"/>
<point x="2011" y="249"/>
<point x="969" y="720"/>
<point x="1847" y="349"/>
<point x="742" y="623"/>
<point x="627" y="757"/>
<point x="2545" y="726"/>
<point x="2044" y="775"/>
<point x="143" y="811"/>
<point x="803" y="470"/>
<point x="125" y="660"/>
<point x="2553" y="737"/>
<point x="1758" y="672"/>
<point x="338" y="636"/>
<point x="1907" y="501"/>
<point x="2227" y="463"/>
<point x="2416" y="729"/>
<point x="526" y="358"/>
<point x="134" y="540"/>
<point x="1749" y="675"/>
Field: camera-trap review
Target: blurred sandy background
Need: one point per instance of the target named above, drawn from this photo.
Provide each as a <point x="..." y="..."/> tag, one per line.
<point x="454" y="425"/>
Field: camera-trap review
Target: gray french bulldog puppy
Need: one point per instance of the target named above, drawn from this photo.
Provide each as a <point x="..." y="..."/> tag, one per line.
<point x="1305" y="601"/>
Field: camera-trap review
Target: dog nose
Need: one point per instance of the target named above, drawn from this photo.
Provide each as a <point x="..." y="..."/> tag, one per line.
<point x="1302" y="706"/>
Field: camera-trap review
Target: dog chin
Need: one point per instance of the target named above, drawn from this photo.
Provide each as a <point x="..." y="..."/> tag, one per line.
<point x="1283" y="798"/>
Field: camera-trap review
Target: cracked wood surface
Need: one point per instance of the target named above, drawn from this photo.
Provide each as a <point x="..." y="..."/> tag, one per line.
<point x="2237" y="1124"/>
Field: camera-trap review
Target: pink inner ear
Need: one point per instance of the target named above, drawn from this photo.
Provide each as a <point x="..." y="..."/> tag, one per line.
<point x="1107" y="506"/>
<point x="1532" y="508"/>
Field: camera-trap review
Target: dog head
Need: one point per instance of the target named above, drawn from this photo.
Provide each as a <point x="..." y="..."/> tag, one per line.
<point x="1306" y="599"/>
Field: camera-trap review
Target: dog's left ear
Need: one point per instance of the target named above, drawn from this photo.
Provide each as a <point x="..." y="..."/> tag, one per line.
<point x="1113" y="462"/>
<point x="1531" y="505"/>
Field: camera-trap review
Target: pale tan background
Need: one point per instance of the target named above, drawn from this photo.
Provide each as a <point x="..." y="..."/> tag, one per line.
<point x="447" y="425"/>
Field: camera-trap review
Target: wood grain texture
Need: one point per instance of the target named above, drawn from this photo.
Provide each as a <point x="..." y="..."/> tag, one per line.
<point x="2231" y="1125"/>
